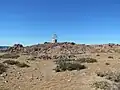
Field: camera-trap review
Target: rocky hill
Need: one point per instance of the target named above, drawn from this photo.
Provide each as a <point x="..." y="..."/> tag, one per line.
<point x="64" y="48"/>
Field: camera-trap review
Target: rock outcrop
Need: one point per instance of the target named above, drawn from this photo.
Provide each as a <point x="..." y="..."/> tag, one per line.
<point x="17" y="48"/>
<point x="51" y="50"/>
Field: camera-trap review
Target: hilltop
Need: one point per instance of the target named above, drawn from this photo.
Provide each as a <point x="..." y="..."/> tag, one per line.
<point x="64" y="48"/>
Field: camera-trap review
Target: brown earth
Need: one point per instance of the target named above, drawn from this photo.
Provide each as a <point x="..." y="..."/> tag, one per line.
<point x="41" y="76"/>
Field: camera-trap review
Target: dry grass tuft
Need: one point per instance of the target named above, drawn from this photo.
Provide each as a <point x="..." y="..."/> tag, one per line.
<point x="13" y="56"/>
<point x="3" y="68"/>
<point x="87" y="60"/>
<point x="112" y="76"/>
<point x="104" y="85"/>
<point x="17" y="63"/>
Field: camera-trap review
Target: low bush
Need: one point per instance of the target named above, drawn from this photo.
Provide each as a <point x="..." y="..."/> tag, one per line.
<point x="104" y="85"/>
<point x="102" y="74"/>
<point x="17" y="63"/>
<point x="3" y="88"/>
<point x="97" y="55"/>
<point x="64" y="65"/>
<point x="112" y="76"/>
<point x="107" y="63"/>
<point x="11" y="62"/>
<point x="3" y="68"/>
<point x="110" y="57"/>
<point x="87" y="60"/>
<point x="22" y="65"/>
<point x="13" y="56"/>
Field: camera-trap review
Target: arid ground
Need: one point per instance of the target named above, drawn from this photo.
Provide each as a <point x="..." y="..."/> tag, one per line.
<point x="40" y="75"/>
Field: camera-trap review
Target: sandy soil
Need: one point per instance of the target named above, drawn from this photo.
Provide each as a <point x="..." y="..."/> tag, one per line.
<point x="41" y="76"/>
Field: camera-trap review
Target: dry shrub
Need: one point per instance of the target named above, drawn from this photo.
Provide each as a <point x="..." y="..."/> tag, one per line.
<point x="101" y="74"/>
<point x="104" y="85"/>
<point x="13" y="56"/>
<point x="11" y="62"/>
<point x="112" y="76"/>
<point x="87" y="60"/>
<point x="69" y="65"/>
<point x="107" y="63"/>
<point x="17" y="63"/>
<point x="110" y="57"/>
<point x="80" y="60"/>
<point x="3" y="68"/>
<point x="97" y="55"/>
<point x="1" y="88"/>
<point x="22" y="65"/>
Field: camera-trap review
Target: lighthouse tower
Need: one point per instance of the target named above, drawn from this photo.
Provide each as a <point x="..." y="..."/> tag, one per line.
<point x="54" y="38"/>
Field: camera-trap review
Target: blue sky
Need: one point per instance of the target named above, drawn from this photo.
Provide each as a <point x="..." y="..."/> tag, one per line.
<point x="81" y="21"/>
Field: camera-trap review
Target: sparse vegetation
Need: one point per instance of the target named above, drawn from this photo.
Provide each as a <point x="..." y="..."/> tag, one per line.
<point x="17" y="63"/>
<point x="87" y="60"/>
<point x="104" y="85"/>
<point x="11" y="62"/>
<point x="72" y="64"/>
<point x="110" y="57"/>
<point x="63" y="60"/>
<point x="117" y="50"/>
<point x="22" y="65"/>
<point x="80" y="60"/>
<point x="112" y="76"/>
<point x="107" y="63"/>
<point x="32" y="58"/>
<point x="101" y="74"/>
<point x="97" y="55"/>
<point x="13" y="56"/>
<point x="2" y="68"/>
<point x="75" y="64"/>
<point x="1" y="88"/>
<point x="64" y="65"/>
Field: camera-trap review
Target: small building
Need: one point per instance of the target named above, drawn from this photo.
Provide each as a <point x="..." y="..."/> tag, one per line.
<point x="54" y="38"/>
